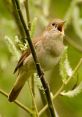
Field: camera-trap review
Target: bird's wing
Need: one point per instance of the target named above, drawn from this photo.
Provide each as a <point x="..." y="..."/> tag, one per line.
<point x="22" y="58"/>
<point x="25" y="54"/>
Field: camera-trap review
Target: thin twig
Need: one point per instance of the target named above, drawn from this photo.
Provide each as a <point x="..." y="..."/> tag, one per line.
<point x="18" y="103"/>
<point x="38" y="67"/>
<point x="75" y="70"/>
<point x="69" y="12"/>
<point x="31" y="87"/>
<point x="43" y="98"/>
<point x="8" y="6"/>
<point x="35" y="107"/>
<point x="62" y="86"/>
<point x="18" y="22"/>
<point x="11" y="9"/>
<point x="27" y="13"/>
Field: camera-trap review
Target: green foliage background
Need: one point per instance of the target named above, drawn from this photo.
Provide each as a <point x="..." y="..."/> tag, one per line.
<point x="44" y="10"/>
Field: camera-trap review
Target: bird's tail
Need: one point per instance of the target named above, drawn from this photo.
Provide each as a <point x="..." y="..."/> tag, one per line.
<point x="17" y="87"/>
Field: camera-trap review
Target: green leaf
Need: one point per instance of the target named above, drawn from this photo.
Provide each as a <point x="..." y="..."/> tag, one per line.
<point x="64" y="66"/>
<point x="12" y="48"/>
<point x="74" y="92"/>
<point x="33" y="27"/>
<point x="20" y="45"/>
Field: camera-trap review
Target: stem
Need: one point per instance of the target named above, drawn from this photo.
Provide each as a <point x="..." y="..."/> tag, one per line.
<point x="8" y="5"/>
<point x="32" y="89"/>
<point x="18" y="103"/>
<point x="69" y="12"/>
<point x="35" y="107"/>
<point x="75" y="70"/>
<point x="62" y="86"/>
<point x="44" y="102"/>
<point x="12" y="10"/>
<point x="38" y="67"/>
<point x="27" y="13"/>
<point x="18" y="22"/>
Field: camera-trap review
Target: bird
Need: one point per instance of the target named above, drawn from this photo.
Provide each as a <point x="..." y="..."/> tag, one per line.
<point x="48" y="46"/>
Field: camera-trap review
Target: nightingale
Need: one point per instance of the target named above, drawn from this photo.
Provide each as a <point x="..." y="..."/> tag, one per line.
<point x="49" y="48"/>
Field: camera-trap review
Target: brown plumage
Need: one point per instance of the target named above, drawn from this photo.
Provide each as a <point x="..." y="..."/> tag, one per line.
<point x="49" y="47"/>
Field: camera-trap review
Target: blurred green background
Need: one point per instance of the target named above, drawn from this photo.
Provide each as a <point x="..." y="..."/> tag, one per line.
<point x="44" y="11"/>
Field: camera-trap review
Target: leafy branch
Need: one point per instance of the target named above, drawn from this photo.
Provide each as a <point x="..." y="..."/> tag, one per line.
<point x="62" y="86"/>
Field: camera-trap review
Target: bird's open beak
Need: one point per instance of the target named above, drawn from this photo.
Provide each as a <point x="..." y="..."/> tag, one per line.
<point x="60" y="26"/>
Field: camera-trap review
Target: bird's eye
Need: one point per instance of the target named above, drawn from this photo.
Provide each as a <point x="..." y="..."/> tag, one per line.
<point x="53" y="24"/>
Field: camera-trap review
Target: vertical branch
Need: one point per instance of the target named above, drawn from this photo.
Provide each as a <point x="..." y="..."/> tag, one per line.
<point x="38" y="67"/>
<point x="32" y="85"/>
<point x="27" y="13"/>
<point x="32" y="90"/>
<point x="11" y="9"/>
